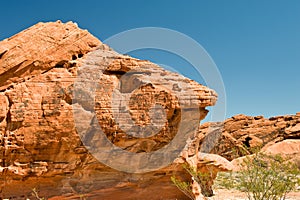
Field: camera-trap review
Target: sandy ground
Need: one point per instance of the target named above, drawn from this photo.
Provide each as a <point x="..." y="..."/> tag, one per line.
<point x="220" y="194"/>
<point x="223" y="194"/>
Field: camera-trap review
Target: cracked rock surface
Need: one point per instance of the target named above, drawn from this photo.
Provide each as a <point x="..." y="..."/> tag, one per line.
<point x="41" y="147"/>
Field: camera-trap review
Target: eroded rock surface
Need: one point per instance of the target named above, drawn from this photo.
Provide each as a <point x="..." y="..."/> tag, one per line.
<point x="41" y="146"/>
<point x="242" y="135"/>
<point x="47" y="131"/>
<point x="41" y="48"/>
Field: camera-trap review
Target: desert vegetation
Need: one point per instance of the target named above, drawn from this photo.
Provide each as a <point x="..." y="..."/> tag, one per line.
<point x="261" y="176"/>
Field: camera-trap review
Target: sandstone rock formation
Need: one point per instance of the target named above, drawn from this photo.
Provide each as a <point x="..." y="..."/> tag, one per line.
<point x="43" y="148"/>
<point x="60" y="87"/>
<point x="208" y="165"/>
<point x="289" y="149"/>
<point x="242" y="135"/>
<point x="41" y="48"/>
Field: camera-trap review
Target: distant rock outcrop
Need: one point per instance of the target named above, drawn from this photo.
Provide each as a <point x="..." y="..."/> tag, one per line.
<point x="241" y="134"/>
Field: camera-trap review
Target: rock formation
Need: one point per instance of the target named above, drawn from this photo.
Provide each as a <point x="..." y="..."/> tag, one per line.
<point x="208" y="165"/>
<point x="44" y="147"/>
<point x="241" y="135"/>
<point x="60" y="87"/>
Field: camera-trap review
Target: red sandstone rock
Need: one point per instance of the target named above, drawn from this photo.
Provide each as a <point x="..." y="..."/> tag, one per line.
<point x="40" y="48"/>
<point x="41" y="147"/>
<point x="241" y="135"/>
<point x="289" y="149"/>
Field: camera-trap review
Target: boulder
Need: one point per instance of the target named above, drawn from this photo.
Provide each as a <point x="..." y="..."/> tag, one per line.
<point x="288" y="149"/>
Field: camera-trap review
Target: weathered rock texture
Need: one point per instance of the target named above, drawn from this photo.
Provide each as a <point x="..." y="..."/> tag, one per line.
<point x="42" y="148"/>
<point x="242" y="135"/>
<point x="40" y="145"/>
<point x="41" y="48"/>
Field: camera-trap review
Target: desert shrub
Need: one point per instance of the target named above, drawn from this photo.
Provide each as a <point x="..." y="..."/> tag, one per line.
<point x="226" y="180"/>
<point x="186" y="187"/>
<point x="263" y="177"/>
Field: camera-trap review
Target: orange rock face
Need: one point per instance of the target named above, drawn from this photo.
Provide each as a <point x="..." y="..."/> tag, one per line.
<point x="60" y="87"/>
<point x="242" y="134"/>
<point x="46" y="144"/>
<point x="289" y="149"/>
<point x="40" y="48"/>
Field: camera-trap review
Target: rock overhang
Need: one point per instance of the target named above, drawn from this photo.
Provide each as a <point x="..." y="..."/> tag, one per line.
<point x="38" y="68"/>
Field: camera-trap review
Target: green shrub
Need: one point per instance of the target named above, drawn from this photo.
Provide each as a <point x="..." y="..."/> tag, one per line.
<point x="186" y="187"/>
<point x="264" y="177"/>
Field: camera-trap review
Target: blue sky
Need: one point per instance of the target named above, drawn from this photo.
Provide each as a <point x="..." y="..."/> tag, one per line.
<point x="255" y="44"/>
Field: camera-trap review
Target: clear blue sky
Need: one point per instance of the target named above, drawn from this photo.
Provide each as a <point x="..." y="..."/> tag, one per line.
<point x="255" y="44"/>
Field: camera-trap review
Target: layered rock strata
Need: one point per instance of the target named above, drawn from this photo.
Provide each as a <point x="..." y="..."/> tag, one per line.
<point x="58" y="85"/>
<point x="241" y="134"/>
